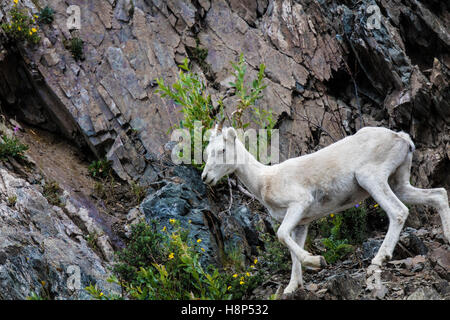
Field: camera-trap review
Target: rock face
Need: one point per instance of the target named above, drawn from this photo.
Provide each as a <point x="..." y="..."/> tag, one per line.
<point x="332" y="68"/>
<point x="329" y="70"/>
<point x="42" y="250"/>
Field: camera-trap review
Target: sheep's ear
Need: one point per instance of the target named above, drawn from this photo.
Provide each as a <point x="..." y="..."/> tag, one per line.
<point x="230" y="134"/>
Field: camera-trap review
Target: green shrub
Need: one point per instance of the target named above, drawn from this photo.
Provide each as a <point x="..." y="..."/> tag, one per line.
<point x="274" y="256"/>
<point x="248" y="96"/>
<point x="22" y="26"/>
<point x="336" y="248"/>
<point x="146" y="246"/>
<point x="12" y="147"/>
<point x="76" y="48"/>
<point x="159" y="263"/>
<point x="100" y="168"/>
<point x="46" y="15"/>
<point x="354" y="225"/>
<point x="190" y="92"/>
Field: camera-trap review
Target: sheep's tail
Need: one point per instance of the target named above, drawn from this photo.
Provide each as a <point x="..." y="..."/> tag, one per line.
<point x="406" y="137"/>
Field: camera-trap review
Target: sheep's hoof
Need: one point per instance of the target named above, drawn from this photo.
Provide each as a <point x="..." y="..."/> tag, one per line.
<point x="289" y="289"/>
<point x="315" y="262"/>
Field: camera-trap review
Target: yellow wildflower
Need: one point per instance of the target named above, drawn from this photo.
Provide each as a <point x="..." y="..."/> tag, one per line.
<point x="19" y="28"/>
<point x="375" y="206"/>
<point x="34" y="29"/>
<point x="332" y="215"/>
<point x="172" y="221"/>
<point x="203" y="249"/>
<point x="43" y="283"/>
<point x="241" y="282"/>
<point x="31" y="33"/>
<point x="252" y="266"/>
<point x="255" y="261"/>
<point x="101" y="294"/>
<point x="199" y="240"/>
<point x="229" y="288"/>
<point x="190" y="221"/>
<point x="248" y="274"/>
<point x="235" y="275"/>
<point x="164" y="229"/>
<point x="171" y="255"/>
<point x="36" y="16"/>
<point x="16" y="1"/>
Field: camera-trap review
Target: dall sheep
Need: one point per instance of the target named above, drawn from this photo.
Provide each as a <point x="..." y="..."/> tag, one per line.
<point x="373" y="162"/>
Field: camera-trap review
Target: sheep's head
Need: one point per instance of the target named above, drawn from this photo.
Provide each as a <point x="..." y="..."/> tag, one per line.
<point x="220" y="154"/>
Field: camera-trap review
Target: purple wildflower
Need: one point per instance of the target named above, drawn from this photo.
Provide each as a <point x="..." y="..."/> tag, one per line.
<point x="356" y="205"/>
<point x="16" y="128"/>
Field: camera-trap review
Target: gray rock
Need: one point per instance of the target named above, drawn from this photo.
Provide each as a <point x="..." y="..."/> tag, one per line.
<point x="183" y="202"/>
<point x="426" y="293"/>
<point x="42" y="250"/>
<point x="370" y="248"/>
<point x="343" y="286"/>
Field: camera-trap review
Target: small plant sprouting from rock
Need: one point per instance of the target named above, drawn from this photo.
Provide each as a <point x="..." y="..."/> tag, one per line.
<point x="12" y="200"/>
<point x="91" y="240"/>
<point x="100" y="168"/>
<point x="138" y="191"/>
<point x="131" y="9"/>
<point x="47" y="15"/>
<point x="22" y="26"/>
<point x="52" y="192"/>
<point x="76" y="48"/>
<point x="12" y="147"/>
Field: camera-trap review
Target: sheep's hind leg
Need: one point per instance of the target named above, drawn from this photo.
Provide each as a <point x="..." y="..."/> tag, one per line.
<point x="397" y="213"/>
<point x="290" y="221"/>
<point x="299" y="235"/>
<point x="436" y="198"/>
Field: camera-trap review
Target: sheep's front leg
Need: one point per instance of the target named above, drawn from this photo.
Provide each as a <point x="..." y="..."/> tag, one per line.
<point x="291" y="220"/>
<point x="299" y="235"/>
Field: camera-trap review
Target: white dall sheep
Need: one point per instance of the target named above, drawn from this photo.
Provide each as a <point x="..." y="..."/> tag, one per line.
<point x="373" y="162"/>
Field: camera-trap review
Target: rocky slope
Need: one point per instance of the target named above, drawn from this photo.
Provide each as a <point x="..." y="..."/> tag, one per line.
<point x="328" y="74"/>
